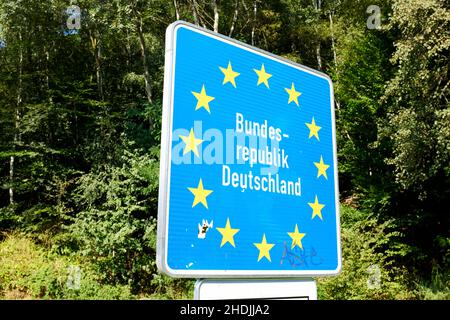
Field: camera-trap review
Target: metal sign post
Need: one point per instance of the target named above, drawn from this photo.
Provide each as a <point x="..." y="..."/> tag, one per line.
<point x="248" y="176"/>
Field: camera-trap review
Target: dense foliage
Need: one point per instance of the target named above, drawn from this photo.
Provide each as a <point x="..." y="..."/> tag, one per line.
<point x="80" y="114"/>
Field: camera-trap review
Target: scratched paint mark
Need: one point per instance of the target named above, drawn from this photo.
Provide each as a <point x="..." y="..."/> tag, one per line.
<point x="297" y="257"/>
<point x="203" y="228"/>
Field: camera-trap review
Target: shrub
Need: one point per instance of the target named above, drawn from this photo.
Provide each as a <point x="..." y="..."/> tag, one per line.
<point x="368" y="255"/>
<point x="170" y="288"/>
<point x="116" y="229"/>
<point x="28" y="271"/>
<point x="437" y="288"/>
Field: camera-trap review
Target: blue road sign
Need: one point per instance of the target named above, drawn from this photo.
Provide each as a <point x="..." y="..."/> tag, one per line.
<point x="248" y="177"/>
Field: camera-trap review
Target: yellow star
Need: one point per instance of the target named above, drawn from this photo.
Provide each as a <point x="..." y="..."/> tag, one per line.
<point x="200" y="194"/>
<point x="293" y="94"/>
<point x="296" y="238"/>
<point x="317" y="208"/>
<point x="264" y="248"/>
<point x="263" y="76"/>
<point x="203" y="100"/>
<point x="322" y="168"/>
<point x="313" y="129"/>
<point x="191" y="143"/>
<point x="227" y="234"/>
<point x="229" y="74"/>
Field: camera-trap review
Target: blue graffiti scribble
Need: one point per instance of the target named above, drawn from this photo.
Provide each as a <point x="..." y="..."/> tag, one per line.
<point x="297" y="257"/>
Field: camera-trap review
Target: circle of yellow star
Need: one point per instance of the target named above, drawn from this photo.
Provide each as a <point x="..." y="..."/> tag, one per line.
<point x="313" y="129"/>
<point x="322" y="168"/>
<point x="229" y="74"/>
<point x="203" y="99"/>
<point x="200" y="194"/>
<point x="293" y="94"/>
<point x="317" y="208"/>
<point x="264" y="248"/>
<point x="296" y="238"/>
<point x="191" y="143"/>
<point x="263" y="76"/>
<point x="227" y="234"/>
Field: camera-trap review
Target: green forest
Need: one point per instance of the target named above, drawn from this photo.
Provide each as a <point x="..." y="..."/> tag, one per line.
<point x="80" y="124"/>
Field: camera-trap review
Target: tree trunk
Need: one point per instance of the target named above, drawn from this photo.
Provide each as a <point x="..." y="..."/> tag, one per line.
<point x="319" y="58"/>
<point x="216" y="15"/>
<point x="96" y="48"/>
<point x="194" y="13"/>
<point x="11" y="178"/>
<point x="177" y="12"/>
<point x="47" y="88"/>
<point x="147" y="79"/>
<point x="98" y="67"/>
<point x="333" y="47"/>
<point x="235" y="15"/>
<point x="255" y="10"/>
<point x="140" y="33"/>
<point x="47" y="75"/>
<point x="128" y="49"/>
<point x="338" y="105"/>
<point x="200" y="20"/>
<point x="16" y="121"/>
<point x="318" y="6"/>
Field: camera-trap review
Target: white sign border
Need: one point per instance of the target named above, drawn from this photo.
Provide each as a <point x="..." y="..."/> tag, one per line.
<point x="165" y="160"/>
